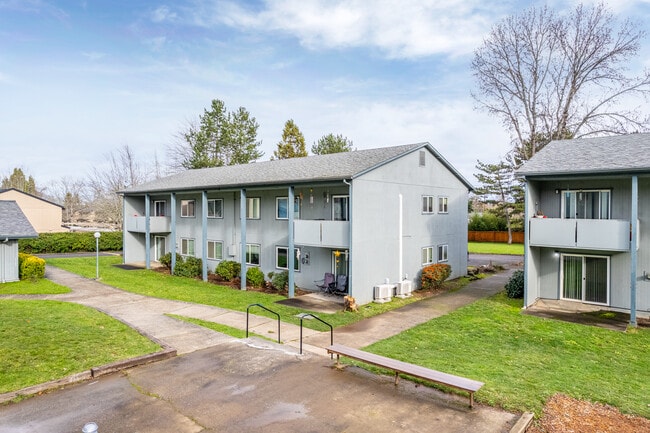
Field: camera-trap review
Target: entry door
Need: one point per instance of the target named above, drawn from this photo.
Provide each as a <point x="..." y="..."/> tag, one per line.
<point x="340" y="262"/>
<point x="585" y="278"/>
<point x="160" y="247"/>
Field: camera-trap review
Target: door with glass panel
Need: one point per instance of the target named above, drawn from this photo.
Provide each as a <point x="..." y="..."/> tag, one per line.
<point x="585" y="278"/>
<point x="586" y="204"/>
<point x="160" y="247"/>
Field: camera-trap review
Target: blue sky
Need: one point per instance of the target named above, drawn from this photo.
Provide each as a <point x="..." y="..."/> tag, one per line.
<point x="80" y="79"/>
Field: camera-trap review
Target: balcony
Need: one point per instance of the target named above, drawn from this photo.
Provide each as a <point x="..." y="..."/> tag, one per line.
<point x="584" y="234"/>
<point x="320" y="233"/>
<point x="137" y="224"/>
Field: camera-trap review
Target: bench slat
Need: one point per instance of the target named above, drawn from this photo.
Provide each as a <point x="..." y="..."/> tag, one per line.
<point x="411" y="369"/>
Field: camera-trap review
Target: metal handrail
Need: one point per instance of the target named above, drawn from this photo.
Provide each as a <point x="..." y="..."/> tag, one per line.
<point x="302" y="316"/>
<point x="270" y="311"/>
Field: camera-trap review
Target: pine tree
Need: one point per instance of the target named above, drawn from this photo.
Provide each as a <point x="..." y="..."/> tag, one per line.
<point x="292" y="144"/>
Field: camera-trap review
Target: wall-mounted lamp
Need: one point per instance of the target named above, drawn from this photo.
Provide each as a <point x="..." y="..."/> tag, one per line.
<point x="557" y="191"/>
<point x="311" y="196"/>
<point x="556" y="253"/>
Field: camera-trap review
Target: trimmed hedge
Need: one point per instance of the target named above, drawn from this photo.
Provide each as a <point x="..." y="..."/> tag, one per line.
<point x="30" y="267"/>
<point x="70" y="242"/>
<point x="434" y="275"/>
<point x="229" y="269"/>
<point x="255" y="277"/>
<point x="190" y="267"/>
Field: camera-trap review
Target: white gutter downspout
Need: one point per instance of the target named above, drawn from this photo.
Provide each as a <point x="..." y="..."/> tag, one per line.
<point x="400" y="241"/>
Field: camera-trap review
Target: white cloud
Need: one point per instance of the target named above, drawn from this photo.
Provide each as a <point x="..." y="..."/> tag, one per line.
<point x="405" y="29"/>
<point x="93" y="55"/>
<point x="163" y="13"/>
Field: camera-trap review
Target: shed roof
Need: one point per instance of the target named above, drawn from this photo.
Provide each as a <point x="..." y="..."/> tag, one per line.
<point x="616" y="154"/>
<point x="13" y="222"/>
<point x="316" y="168"/>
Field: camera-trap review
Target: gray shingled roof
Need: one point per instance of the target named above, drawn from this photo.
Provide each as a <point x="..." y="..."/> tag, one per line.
<point x="13" y="222"/>
<point x="317" y="168"/>
<point x="599" y="155"/>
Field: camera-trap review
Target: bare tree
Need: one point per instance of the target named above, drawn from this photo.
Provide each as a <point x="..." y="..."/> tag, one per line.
<point x="73" y="195"/>
<point x="548" y="76"/>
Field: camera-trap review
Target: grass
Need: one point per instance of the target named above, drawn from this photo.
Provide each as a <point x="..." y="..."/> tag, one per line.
<point x="35" y="287"/>
<point x="156" y="284"/>
<point x="495" y="248"/>
<point x="523" y="360"/>
<point x="42" y="341"/>
<point x="218" y="327"/>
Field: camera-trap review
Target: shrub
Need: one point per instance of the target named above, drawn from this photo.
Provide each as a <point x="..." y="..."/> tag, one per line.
<point x="515" y="285"/>
<point x="166" y="260"/>
<point x="190" y="267"/>
<point x="228" y="269"/>
<point x="279" y="280"/>
<point x="434" y="275"/>
<point x="255" y="277"/>
<point x="30" y="267"/>
<point x="70" y="242"/>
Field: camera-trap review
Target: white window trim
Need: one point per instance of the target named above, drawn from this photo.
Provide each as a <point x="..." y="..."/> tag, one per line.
<point x="443" y="201"/>
<point x="209" y="250"/>
<point x="583" y="256"/>
<point x="563" y="201"/>
<point x="249" y="210"/>
<point x="155" y="207"/>
<point x="296" y="256"/>
<point x="260" y="254"/>
<point x="427" y="208"/>
<point x="215" y="200"/>
<point x="347" y="203"/>
<point x="187" y="241"/>
<point x="193" y="208"/>
<point x="444" y="249"/>
<point x="429" y="252"/>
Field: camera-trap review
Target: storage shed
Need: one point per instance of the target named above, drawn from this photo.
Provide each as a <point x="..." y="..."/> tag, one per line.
<point x="13" y="226"/>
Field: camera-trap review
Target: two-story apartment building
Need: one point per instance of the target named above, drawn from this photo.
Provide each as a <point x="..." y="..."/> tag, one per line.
<point x="588" y="223"/>
<point x="370" y="215"/>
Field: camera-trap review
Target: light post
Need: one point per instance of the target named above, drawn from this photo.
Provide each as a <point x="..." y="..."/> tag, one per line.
<point x="97" y="236"/>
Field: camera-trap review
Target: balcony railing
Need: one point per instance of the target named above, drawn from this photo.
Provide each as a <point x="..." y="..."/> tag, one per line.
<point x="587" y="234"/>
<point x="137" y="224"/>
<point x="322" y="233"/>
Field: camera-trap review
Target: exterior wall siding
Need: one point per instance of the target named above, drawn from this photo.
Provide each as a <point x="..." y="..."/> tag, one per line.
<point x="9" y="261"/>
<point x="43" y="216"/>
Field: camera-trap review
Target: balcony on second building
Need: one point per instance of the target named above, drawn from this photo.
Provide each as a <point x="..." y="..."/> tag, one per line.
<point x="584" y="234"/>
<point x="157" y="224"/>
<point x="322" y="233"/>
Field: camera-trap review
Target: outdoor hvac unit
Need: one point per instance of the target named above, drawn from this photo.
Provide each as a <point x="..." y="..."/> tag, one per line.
<point x="383" y="293"/>
<point x="404" y="289"/>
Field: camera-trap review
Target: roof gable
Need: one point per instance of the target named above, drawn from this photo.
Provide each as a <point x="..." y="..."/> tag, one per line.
<point x="13" y="222"/>
<point x="315" y="168"/>
<point x="2" y="191"/>
<point x="597" y="155"/>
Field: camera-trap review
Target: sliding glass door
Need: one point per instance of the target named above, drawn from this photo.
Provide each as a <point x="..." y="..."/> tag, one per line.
<point x="585" y="278"/>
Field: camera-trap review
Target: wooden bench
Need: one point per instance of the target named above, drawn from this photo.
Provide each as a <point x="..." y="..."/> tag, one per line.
<point x="469" y="385"/>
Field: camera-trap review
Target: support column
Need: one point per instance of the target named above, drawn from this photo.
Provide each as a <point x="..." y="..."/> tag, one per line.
<point x="172" y="216"/>
<point x="204" y="235"/>
<point x="242" y="219"/>
<point x="147" y="231"/>
<point x="290" y="247"/>
<point x="633" y="246"/>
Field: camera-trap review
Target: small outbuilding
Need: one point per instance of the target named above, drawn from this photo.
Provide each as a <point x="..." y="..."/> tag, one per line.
<point x="14" y="225"/>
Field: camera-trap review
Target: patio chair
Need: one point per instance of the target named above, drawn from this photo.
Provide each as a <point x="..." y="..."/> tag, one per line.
<point x="341" y="287"/>
<point x="327" y="283"/>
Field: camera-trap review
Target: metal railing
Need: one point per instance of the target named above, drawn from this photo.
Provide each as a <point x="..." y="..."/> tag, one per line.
<point x="270" y="311"/>
<point x="302" y="316"/>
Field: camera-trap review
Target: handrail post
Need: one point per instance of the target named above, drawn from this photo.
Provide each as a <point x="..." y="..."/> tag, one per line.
<point x="270" y="311"/>
<point x="302" y="316"/>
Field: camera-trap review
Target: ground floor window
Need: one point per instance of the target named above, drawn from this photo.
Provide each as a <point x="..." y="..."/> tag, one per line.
<point x="282" y="258"/>
<point x="187" y="247"/>
<point x="253" y="254"/>
<point x="215" y="250"/>
<point x="585" y="278"/>
<point x="442" y="253"/>
<point x="427" y="256"/>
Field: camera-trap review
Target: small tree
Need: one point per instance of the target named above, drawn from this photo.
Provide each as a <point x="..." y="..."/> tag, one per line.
<point x="292" y="144"/>
<point x="18" y="181"/>
<point x="331" y="143"/>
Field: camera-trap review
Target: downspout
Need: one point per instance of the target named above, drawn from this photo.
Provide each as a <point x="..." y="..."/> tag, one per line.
<point x="290" y="252"/>
<point x="633" y="246"/>
<point x="172" y="216"/>
<point x="204" y="234"/>
<point x="147" y="231"/>
<point x="349" y="184"/>
<point x="242" y="222"/>
<point x="400" y="241"/>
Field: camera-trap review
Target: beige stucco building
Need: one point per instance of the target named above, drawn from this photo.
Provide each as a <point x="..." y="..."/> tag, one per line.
<point x="45" y="216"/>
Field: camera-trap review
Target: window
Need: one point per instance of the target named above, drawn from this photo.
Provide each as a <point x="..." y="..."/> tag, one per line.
<point x="281" y="208"/>
<point x="215" y="208"/>
<point x="442" y="253"/>
<point x="586" y="204"/>
<point x="282" y="258"/>
<point x="427" y="204"/>
<point x="427" y="256"/>
<point x="159" y="208"/>
<point x="215" y="250"/>
<point x="585" y="278"/>
<point x="253" y="254"/>
<point x="187" y="247"/>
<point x="340" y="208"/>
<point x="423" y="158"/>
<point x="187" y="208"/>
<point x="253" y="208"/>
<point x="443" y="203"/>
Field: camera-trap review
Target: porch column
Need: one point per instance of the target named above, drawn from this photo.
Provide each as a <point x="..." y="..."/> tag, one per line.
<point x="204" y="234"/>
<point x="633" y="246"/>
<point x="147" y="231"/>
<point x="172" y="216"/>
<point x="290" y="248"/>
<point x="526" y="243"/>
<point x="242" y="222"/>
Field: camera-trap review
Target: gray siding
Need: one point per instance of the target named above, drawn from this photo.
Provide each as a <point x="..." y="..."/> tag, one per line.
<point x="9" y="261"/>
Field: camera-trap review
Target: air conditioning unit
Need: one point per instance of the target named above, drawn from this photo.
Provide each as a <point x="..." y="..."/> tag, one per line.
<point x="383" y="293"/>
<point x="404" y="289"/>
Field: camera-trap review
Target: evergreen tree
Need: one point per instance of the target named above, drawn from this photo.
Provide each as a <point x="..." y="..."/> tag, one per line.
<point x="18" y="181"/>
<point x="331" y="143"/>
<point x="292" y="144"/>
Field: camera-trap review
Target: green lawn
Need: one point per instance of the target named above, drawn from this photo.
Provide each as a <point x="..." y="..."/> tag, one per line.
<point x="36" y="287"/>
<point x="523" y="360"/>
<point x="495" y="248"/>
<point x="47" y="340"/>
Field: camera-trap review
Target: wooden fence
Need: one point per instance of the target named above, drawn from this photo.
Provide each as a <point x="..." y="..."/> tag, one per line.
<point x="474" y="236"/>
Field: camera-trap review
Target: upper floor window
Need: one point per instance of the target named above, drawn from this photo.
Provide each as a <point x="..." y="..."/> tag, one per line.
<point x="282" y="208"/>
<point x="215" y="208"/>
<point x="427" y="204"/>
<point x="253" y="208"/>
<point x="340" y="208"/>
<point x="187" y="208"/>
<point x="586" y="204"/>
<point x="159" y="208"/>
<point x="443" y="205"/>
